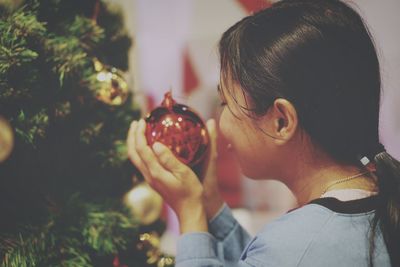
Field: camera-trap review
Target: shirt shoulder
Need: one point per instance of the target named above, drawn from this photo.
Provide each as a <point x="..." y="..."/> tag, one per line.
<point x="324" y="232"/>
<point x="284" y="241"/>
<point x="298" y="226"/>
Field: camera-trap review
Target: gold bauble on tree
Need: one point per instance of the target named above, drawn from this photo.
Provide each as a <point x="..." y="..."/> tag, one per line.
<point x="150" y="243"/>
<point x="166" y="261"/>
<point x="6" y="139"/>
<point x="111" y="87"/>
<point x="144" y="203"/>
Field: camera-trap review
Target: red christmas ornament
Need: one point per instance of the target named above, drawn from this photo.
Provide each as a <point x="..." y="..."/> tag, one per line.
<point x="179" y="128"/>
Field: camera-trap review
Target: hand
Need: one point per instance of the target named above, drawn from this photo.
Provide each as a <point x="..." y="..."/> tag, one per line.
<point x="173" y="180"/>
<point x="212" y="198"/>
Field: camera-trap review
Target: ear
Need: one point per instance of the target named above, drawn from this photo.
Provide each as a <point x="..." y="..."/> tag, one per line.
<point x="284" y="120"/>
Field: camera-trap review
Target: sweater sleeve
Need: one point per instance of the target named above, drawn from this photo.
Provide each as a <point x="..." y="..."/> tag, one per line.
<point x="223" y="246"/>
<point x="229" y="233"/>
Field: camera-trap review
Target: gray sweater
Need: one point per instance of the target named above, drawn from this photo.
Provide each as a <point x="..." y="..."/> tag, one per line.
<point x="326" y="232"/>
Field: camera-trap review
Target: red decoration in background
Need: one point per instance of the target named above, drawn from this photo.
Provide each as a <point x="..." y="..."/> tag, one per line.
<point x="252" y="6"/>
<point x="190" y="79"/>
<point x="181" y="130"/>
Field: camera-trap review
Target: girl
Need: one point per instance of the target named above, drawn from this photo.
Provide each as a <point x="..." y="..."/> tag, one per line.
<point x="300" y="86"/>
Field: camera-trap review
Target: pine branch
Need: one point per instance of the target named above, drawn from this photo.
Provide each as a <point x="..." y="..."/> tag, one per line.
<point x="30" y="128"/>
<point x="69" y="235"/>
<point x="115" y="156"/>
<point x="41" y="247"/>
<point x="46" y="86"/>
<point x="88" y="32"/>
<point x="106" y="232"/>
<point x="91" y="132"/>
<point x="27" y="249"/>
<point x="66" y="55"/>
<point x="15" y="29"/>
<point x="104" y="227"/>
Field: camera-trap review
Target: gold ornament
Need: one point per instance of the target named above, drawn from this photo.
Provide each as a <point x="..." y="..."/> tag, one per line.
<point x="111" y="87"/>
<point x="150" y="243"/>
<point x="6" y="139"/>
<point x="144" y="203"/>
<point x="166" y="261"/>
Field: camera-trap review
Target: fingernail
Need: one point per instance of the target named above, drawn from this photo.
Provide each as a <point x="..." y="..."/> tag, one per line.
<point x="141" y="123"/>
<point x="211" y="123"/>
<point x="158" y="148"/>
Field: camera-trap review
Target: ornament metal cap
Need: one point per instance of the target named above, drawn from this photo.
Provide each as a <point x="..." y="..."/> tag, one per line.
<point x="168" y="101"/>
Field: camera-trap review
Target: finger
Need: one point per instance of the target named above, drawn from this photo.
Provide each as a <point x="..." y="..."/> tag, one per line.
<point x="130" y="142"/>
<point x="132" y="154"/>
<point x="148" y="157"/>
<point x="169" y="161"/>
<point x="138" y="162"/>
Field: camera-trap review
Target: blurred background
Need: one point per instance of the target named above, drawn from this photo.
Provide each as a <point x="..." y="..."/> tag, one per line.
<point x="175" y="47"/>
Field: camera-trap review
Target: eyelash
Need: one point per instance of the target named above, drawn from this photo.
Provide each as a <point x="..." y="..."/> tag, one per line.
<point x="222" y="104"/>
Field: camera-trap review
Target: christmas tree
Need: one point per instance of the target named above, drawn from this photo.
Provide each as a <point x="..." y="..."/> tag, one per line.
<point x="65" y="110"/>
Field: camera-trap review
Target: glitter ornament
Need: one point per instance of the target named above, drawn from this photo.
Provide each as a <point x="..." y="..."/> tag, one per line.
<point x="179" y="128"/>
<point x="111" y="87"/>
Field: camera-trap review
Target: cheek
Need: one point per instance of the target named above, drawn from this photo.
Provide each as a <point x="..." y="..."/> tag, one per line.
<point x="245" y="143"/>
<point x="257" y="159"/>
<point x="251" y="148"/>
<point x="251" y="159"/>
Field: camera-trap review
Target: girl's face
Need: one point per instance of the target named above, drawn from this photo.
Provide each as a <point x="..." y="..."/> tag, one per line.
<point x="252" y="147"/>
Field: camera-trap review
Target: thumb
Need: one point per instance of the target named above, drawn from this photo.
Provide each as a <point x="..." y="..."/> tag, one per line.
<point x="212" y="131"/>
<point x="168" y="160"/>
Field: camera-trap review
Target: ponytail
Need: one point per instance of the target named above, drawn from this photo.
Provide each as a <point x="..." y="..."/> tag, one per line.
<point x="388" y="211"/>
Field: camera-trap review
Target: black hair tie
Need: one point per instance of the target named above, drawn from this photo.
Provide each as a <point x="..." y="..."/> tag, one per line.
<point x="378" y="149"/>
